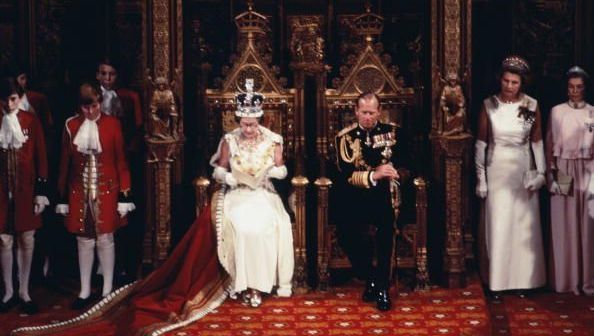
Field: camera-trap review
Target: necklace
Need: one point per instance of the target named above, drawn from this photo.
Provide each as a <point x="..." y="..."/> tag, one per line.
<point x="507" y="101"/>
<point x="577" y="105"/>
<point x="250" y="143"/>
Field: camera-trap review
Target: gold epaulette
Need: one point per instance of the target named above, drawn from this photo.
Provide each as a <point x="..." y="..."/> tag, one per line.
<point x="347" y="129"/>
<point x="360" y="179"/>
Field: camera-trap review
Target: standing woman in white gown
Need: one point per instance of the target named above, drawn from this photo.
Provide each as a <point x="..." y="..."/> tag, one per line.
<point x="570" y="150"/>
<point x="510" y="168"/>
<point x="255" y="242"/>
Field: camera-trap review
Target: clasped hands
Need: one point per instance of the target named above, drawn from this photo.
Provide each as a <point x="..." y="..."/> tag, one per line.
<point x="385" y="171"/>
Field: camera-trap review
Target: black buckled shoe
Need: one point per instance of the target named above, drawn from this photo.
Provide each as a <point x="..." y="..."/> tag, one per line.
<point x="29" y="307"/>
<point x="6" y="306"/>
<point x="383" y="301"/>
<point x="370" y="292"/>
<point x="81" y="303"/>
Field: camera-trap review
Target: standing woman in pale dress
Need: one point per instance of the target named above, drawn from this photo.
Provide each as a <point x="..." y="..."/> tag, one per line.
<point x="510" y="168"/>
<point x="570" y="150"/>
<point x="255" y="242"/>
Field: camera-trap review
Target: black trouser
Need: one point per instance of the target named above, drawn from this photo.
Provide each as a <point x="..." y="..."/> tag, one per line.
<point x="354" y="238"/>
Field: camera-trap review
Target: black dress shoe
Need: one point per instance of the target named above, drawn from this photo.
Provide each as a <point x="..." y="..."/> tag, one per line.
<point x="370" y="292"/>
<point x="29" y="307"/>
<point x="81" y="303"/>
<point x="6" y="306"/>
<point x="383" y="301"/>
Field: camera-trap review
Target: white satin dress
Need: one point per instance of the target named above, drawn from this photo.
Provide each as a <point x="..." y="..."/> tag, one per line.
<point x="254" y="230"/>
<point x="512" y="217"/>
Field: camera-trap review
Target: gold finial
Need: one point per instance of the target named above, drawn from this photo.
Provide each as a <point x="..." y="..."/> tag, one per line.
<point x="250" y="4"/>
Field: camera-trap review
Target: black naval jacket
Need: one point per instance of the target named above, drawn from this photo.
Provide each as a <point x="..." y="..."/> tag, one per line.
<point x="358" y="153"/>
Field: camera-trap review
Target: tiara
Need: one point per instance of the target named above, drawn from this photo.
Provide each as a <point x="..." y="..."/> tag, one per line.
<point x="576" y="70"/>
<point x="515" y="63"/>
<point x="249" y="104"/>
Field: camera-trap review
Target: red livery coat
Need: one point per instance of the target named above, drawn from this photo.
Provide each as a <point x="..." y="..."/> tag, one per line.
<point x="31" y="165"/>
<point x="131" y="118"/>
<point x="41" y="106"/>
<point x="113" y="175"/>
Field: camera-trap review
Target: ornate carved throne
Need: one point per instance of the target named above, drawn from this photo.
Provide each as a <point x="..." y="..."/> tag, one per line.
<point x="280" y="116"/>
<point x="369" y="70"/>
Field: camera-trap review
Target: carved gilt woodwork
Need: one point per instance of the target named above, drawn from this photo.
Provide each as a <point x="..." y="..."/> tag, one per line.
<point x="369" y="70"/>
<point x="451" y="55"/>
<point x="280" y="116"/>
<point x="165" y="122"/>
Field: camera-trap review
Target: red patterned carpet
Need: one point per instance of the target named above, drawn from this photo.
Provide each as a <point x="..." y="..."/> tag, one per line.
<point x="340" y="312"/>
<point x="543" y="314"/>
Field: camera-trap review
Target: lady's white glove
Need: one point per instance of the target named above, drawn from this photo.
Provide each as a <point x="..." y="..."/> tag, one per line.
<point x="539" y="161"/>
<point x="221" y="175"/>
<point x="278" y="172"/>
<point x="481" y="174"/>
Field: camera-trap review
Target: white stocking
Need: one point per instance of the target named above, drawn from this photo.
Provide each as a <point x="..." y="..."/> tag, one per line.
<point x="86" y="256"/>
<point x="25" y="246"/>
<point x="106" y="254"/>
<point x="6" y="242"/>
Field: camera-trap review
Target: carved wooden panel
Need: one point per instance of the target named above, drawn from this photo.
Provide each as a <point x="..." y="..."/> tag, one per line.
<point x="129" y="37"/>
<point x="7" y="34"/>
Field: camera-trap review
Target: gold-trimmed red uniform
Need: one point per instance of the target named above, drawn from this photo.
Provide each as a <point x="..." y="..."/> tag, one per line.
<point x="113" y="177"/>
<point x="21" y="171"/>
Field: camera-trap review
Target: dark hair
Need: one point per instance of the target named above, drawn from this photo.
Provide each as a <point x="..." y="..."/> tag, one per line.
<point x="516" y="65"/>
<point x="9" y="87"/>
<point x="89" y="93"/>
<point x="369" y="95"/>
<point x="108" y="61"/>
<point x="579" y="74"/>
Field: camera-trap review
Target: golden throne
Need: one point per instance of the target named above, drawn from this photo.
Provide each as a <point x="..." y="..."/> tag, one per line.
<point x="366" y="71"/>
<point x="279" y="116"/>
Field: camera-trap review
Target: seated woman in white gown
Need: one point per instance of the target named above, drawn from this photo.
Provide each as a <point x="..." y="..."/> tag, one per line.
<point x="255" y="243"/>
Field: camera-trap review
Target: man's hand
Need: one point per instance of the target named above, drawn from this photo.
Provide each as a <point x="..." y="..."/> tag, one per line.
<point x="39" y="204"/>
<point x="385" y="171"/>
<point x="124" y="208"/>
<point x="62" y="209"/>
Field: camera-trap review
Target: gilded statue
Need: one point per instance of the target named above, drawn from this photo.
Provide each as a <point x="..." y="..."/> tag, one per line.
<point x="163" y="111"/>
<point x="452" y="105"/>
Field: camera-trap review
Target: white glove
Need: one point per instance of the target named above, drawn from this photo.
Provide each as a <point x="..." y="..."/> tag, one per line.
<point x="230" y="180"/>
<point x="481" y="174"/>
<point x="278" y="172"/>
<point x="554" y="188"/>
<point x="590" y="208"/>
<point x="40" y="203"/>
<point x="221" y="175"/>
<point x="536" y="183"/>
<point x="539" y="161"/>
<point x="62" y="209"/>
<point x="124" y="208"/>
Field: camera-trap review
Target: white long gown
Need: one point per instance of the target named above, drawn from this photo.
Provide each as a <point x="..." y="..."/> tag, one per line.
<point x="513" y="231"/>
<point x="254" y="230"/>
